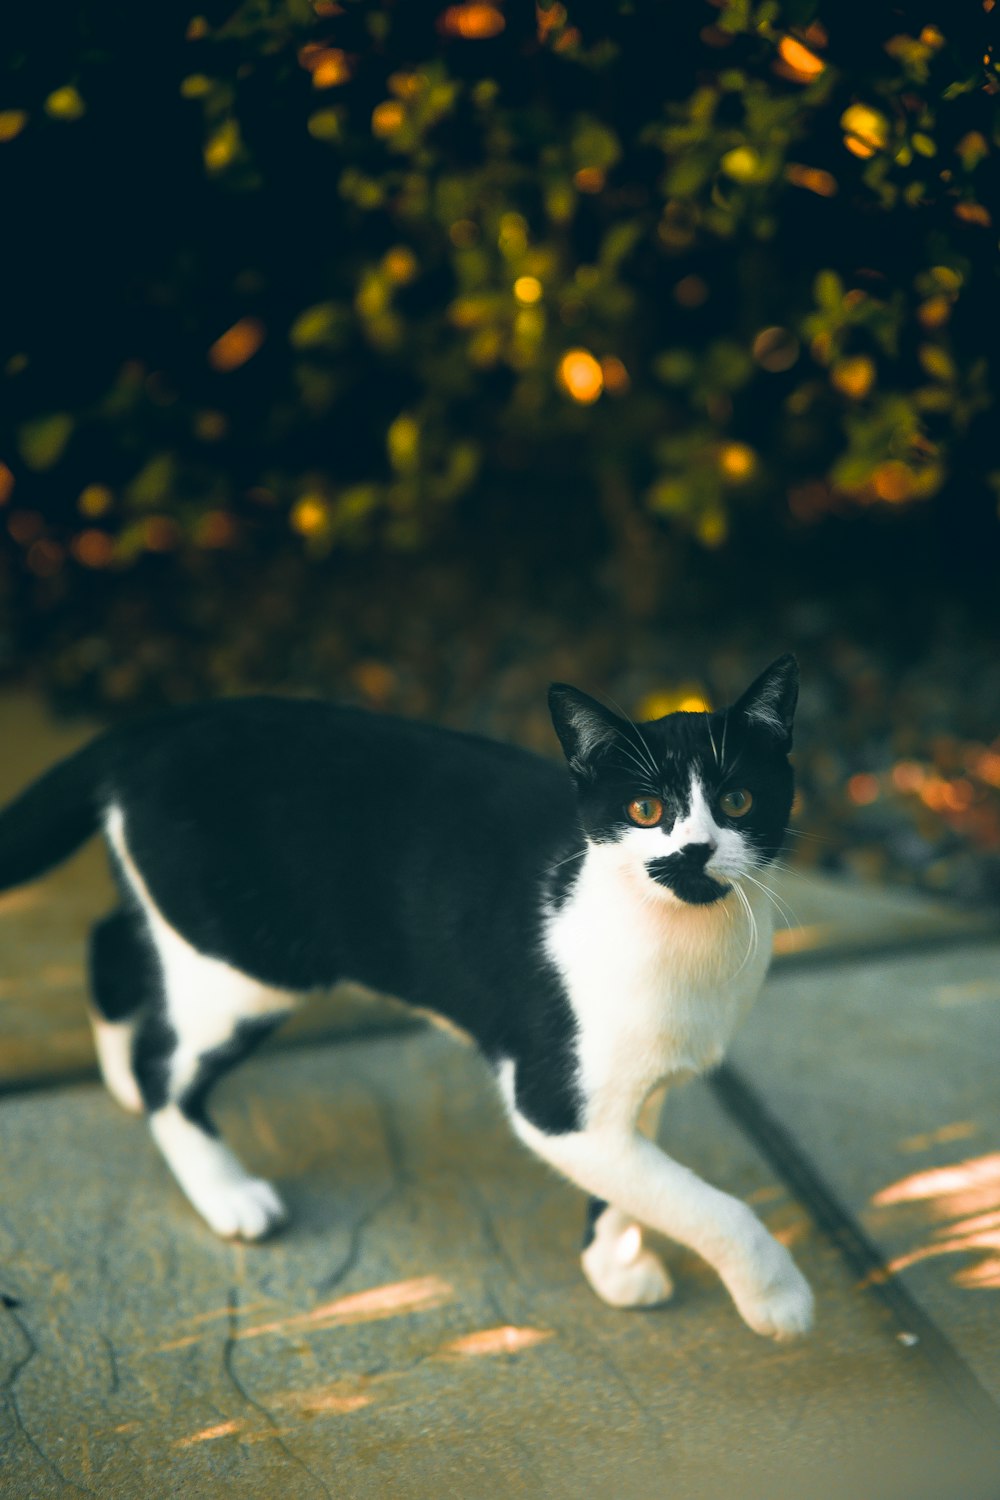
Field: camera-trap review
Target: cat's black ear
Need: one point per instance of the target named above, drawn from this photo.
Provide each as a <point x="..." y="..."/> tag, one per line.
<point x="770" y="700"/>
<point x="583" y="725"/>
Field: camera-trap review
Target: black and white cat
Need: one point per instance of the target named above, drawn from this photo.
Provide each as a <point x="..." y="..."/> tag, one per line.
<point x="599" y="934"/>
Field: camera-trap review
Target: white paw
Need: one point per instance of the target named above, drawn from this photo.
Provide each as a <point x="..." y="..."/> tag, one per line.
<point x="245" y="1210"/>
<point x="783" y="1307"/>
<point x="622" y="1271"/>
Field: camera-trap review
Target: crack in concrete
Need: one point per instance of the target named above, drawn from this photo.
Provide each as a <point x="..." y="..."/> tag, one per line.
<point x="8" y="1389"/>
<point x="399" y="1178"/>
<point x="228" y="1356"/>
<point x="619" y="1375"/>
<point x="112" y="1363"/>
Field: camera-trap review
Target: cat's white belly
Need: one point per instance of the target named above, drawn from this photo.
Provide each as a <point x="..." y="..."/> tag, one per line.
<point x="657" y="986"/>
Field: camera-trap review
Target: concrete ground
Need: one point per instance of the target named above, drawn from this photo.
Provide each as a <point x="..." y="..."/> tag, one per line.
<point x="422" y="1328"/>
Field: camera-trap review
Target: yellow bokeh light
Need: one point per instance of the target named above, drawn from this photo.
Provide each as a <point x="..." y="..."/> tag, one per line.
<point x="324" y="125"/>
<point x="6" y="484"/>
<point x="742" y="164"/>
<point x="12" y="122"/>
<point x="95" y="500"/>
<point x="712" y="529"/>
<point x="737" y="461"/>
<point x="581" y="376"/>
<point x="865" y="129"/>
<point x="65" y="104"/>
<point x="222" y="146"/>
<point x="527" y="289"/>
<point x="310" y="515"/>
<point x="687" y="698"/>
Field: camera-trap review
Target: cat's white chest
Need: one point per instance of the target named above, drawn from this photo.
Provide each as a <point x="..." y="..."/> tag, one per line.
<point x="657" y="986"/>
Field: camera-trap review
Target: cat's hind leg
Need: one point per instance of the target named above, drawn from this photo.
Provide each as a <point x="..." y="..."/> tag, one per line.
<point x="123" y="980"/>
<point x="621" y="1268"/>
<point x="209" y="1019"/>
<point x="205" y="1018"/>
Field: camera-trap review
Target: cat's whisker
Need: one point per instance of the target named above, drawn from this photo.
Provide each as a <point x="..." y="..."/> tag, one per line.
<point x="729" y="770"/>
<point x="787" y="915"/>
<point x="725" y="726"/>
<point x="559" y="864"/>
<point x="711" y="738"/>
<point x="753" y="940"/>
<point x="629" y="748"/>
<point x="643" y="746"/>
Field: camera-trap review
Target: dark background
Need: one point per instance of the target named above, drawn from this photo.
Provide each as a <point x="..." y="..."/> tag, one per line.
<point x="275" y="414"/>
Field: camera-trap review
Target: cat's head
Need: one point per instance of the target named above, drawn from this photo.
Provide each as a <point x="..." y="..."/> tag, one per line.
<point x="691" y="801"/>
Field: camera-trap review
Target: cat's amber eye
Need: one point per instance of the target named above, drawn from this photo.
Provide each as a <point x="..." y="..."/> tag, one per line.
<point x="645" y="812"/>
<point x="736" y="804"/>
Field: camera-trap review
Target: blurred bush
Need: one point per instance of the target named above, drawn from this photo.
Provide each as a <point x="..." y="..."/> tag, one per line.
<point x="305" y="275"/>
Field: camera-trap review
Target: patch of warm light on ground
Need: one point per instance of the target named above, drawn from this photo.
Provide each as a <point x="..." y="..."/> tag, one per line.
<point x="390" y="1301"/>
<point x="504" y="1340"/>
<point x="801" y="939"/>
<point x="209" y="1434"/>
<point x="959" y="1130"/>
<point x="944" y="1182"/>
<point x="323" y="1400"/>
<point x="967" y="1196"/>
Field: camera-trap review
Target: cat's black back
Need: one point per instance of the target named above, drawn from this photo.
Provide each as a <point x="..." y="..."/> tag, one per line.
<point x="304" y="843"/>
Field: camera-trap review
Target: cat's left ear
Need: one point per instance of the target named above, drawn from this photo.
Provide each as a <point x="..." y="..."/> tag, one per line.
<point x="770" y="700"/>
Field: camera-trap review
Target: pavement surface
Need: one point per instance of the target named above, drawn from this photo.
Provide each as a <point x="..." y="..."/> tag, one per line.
<point x="422" y="1328"/>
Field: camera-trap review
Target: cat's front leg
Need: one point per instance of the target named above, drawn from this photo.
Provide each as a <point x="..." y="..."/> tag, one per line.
<point x="620" y="1266"/>
<point x="619" y="1165"/>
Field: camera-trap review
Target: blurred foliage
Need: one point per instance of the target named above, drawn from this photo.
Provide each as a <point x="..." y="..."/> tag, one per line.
<point x="306" y="273"/>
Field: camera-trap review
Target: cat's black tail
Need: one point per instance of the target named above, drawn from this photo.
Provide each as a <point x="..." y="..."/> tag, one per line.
<point x="52" y="817"/>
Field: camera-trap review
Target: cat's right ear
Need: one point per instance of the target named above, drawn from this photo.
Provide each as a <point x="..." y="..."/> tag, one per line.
<point x="583" y="725"/>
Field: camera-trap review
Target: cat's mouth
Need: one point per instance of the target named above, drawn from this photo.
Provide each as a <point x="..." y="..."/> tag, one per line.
<point x="691" y="885"/>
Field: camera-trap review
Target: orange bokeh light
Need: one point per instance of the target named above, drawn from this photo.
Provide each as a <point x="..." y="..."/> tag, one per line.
<point x="238" y="344"/>
<point x="616" y="377"/>
<point x="863" y="789"/>
<point x="813" y="179"/>
<point x="93" y="548"/>
<point x="581" y="376"/>
<point x="472" y="22"/>
<point x="801" y="64"/>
